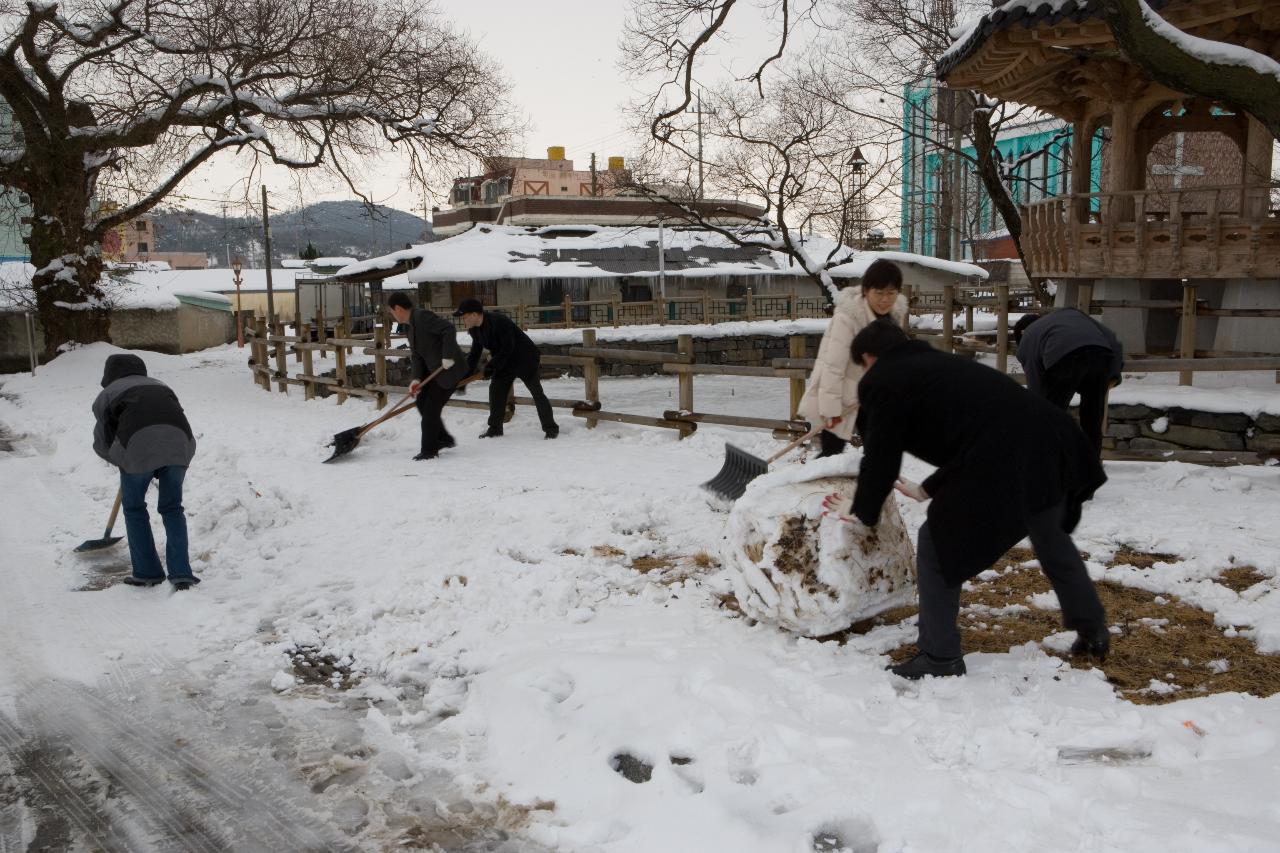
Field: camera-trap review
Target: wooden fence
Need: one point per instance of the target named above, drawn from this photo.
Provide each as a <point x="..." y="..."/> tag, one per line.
<point x="998" y="299"/>
<point x="272" y="349"/>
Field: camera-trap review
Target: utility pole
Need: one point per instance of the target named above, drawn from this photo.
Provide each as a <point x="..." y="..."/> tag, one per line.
<point x="594" y="191"/>
<point x="662" y="262"/>
<point x="266" y="236"/>
<point x="700" y="113"/>
<point x="226" y="236"/>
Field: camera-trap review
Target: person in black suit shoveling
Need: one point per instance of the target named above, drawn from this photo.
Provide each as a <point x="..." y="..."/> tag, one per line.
<point x="1010" y="465"/>
<point x="435" y="354"/>
<point x="512" y="356"/>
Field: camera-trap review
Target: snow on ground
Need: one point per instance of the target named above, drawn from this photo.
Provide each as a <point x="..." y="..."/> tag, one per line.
<point x="505" y="653"/>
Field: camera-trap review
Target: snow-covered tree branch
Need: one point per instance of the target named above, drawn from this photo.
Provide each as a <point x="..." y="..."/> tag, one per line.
<point x="146" y="91"/>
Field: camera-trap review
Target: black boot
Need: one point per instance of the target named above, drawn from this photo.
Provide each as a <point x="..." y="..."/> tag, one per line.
<point x="554" y="432"/>
<point x="447" y="441"/>
<point x="424" y="455"/>
<point x="132" y="580"/>
<point x="491" y="433"/>
<point x="1092" y="642"/>
<point x="926" y="664"/>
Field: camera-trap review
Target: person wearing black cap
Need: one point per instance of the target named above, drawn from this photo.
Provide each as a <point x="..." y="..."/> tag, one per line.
<point x="434" y="351"/>
<point x="512" y="355"/>
<point x="141" y="428"/>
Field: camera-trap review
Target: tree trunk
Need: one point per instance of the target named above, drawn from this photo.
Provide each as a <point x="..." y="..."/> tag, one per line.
<point x="69" y="299"/>
<point x="984" y="145"/>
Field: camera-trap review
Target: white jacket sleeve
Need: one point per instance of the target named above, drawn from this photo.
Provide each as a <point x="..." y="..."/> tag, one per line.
<point x="832" y="364"/>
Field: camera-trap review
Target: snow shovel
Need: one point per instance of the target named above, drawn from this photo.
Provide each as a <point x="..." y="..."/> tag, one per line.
<point x="107" y="539"/>
<point x="346" y="441"/>
<point x="741" y="467"/>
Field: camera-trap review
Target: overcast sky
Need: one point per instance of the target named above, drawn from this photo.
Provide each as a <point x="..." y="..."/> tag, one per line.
<point x="561" y="59"/>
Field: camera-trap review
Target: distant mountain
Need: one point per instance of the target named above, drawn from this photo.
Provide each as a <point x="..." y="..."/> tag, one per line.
<point x="335" y="228"/>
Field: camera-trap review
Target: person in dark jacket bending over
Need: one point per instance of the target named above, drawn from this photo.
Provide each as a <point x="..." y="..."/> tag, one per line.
<point x="434" y="353"/>
<point x="512" y="355"/>
<point x="141" y="428"/>
<point x="1064" y="352"/>
<point x="1009" y="465"/>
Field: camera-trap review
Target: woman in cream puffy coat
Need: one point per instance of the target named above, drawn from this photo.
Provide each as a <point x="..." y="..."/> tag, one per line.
<point x="831" y="396"/>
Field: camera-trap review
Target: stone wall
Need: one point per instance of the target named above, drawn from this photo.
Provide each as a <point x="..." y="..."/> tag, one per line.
<point x="1149" y="428"/>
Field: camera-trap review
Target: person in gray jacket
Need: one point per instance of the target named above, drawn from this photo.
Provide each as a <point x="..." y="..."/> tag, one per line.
<point x="1066" y="352"/>
<point x="141" y="428"/>
<point x="433" y="346"/>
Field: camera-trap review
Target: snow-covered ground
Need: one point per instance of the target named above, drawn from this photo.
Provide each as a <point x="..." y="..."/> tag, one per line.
<point x="504" y="652"/>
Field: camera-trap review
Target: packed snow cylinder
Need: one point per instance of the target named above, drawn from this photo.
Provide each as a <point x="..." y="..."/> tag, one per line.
<point x="810" y="574"/>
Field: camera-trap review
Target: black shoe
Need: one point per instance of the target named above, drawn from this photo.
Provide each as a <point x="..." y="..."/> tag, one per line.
<point x="553" y="433"/>
<point x="926" y="664"/>
<point x="447" y="442"/>
<point x="133" y="580"/>
<point x="491" y="433"/>
<point x="1093" y="642"/>
<point x="423" y="456"/>
<point x="182" y="586"/>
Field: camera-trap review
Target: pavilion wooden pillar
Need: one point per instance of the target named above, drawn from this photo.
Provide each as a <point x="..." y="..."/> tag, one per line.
<point x="1256" y="170"/>
<point x="1127" y="160"/>
<point x="1081" y="169"/>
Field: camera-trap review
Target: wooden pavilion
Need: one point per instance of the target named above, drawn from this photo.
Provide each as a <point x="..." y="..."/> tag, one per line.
<point x="1145" y="242"/>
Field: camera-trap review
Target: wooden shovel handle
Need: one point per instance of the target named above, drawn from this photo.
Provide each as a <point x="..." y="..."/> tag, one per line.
<point x="115" y="511"/>
<point x="793" y="445"/>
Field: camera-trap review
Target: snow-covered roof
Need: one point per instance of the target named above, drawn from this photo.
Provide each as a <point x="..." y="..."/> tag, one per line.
<point x="332" y="262"/>
<point x="293" y="264"/>
<point x="489" y="252"/>
<point x="157" y="289"/>
<point x="971" y="35"/>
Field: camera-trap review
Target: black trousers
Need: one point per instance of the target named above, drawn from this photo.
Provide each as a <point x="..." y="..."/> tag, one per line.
<point x="500" y="387"/>
<point x="1059" y="560"/>
<point x="830" y="443"/>
<point x="1086" y="371"/>
<point x="430" y="403"/>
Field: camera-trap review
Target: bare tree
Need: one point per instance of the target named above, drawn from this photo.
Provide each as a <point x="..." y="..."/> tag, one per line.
<point x="143" y="92"/>
<point x="764" y="136"/>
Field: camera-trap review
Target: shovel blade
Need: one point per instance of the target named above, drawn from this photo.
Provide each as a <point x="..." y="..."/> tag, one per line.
<point x="97" y="544"/>
<point x="344" y="442"/>
<point x="739" y="469"/>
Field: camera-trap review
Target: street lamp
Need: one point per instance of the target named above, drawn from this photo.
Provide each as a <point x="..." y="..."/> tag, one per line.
<point x="235" y="269"/>
<point x="856" y="164"/>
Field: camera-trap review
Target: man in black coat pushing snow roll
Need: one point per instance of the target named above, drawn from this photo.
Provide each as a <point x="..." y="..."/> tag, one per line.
<point x="433" y="346"/>
<point x="1009" y="465"/>
<point x="512" y="355"/>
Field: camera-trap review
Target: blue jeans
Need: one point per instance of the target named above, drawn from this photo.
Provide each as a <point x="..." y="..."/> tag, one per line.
<point x="137" y="524"/>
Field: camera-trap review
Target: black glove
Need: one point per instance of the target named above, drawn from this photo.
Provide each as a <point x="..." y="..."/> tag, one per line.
<point x="488" y="370"/>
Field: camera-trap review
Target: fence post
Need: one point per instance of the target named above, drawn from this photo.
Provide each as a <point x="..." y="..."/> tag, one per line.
<point x="795" y="349"/>
<point x="1002" y="328"/>
<point x="282" y="355"/>
<point x="520" y="320"/>
<point x="340" y="364"/>
<point x="791" y="303"/>
<point x="381" y="342"/>
<point x="590" y="376"/>
<point x="660" y="306"/>
<point x="706" y="307"/>
<point x="684" y="346"/>
<point x="617" y="309"/>
<point x="968" y="317"/>
<point x="262" y="376"/>
<point x="1084" y="298"/>
<point x="304" y="356"/>
<point x="1186" y="377"/>
<point x="948" y="309"/>
<point x="322" y="331"/>
<point x="751" y="305"/>
<point x="568" y="313"/>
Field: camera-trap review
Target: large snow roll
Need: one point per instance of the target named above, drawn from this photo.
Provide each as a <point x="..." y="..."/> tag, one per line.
<point x="813" y="575"/>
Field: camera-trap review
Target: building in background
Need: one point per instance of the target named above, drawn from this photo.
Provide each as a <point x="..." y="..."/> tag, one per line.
<point x="138" y="245"/>
<point x="537" y="192"/>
